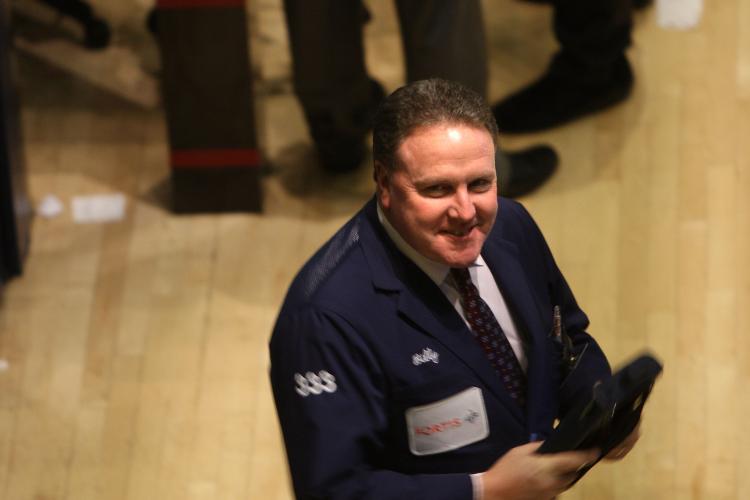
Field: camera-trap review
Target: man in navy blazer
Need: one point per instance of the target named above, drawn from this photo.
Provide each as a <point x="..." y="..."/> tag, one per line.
<point x="381" y="388"/>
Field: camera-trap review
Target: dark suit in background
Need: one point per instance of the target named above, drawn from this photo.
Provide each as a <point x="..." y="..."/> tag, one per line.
<point x="441" y="38"/>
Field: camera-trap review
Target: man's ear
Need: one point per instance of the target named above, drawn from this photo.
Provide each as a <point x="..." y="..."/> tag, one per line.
<point x="382" y="184"/>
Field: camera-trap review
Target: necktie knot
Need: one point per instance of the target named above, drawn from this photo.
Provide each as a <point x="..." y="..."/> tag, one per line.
<point x="462" y="278"/>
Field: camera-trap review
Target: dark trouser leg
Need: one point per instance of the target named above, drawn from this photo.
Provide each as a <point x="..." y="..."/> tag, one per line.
<point x="445" y="39"/>
<point x="593" y="36"/>
<point x="330" y="78"/>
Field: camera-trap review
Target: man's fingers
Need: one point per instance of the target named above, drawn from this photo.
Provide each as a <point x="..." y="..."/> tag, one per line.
<point x="530" y="447"/>
<point x="633" y="437"/>
<point x="619" y="452"/>
<point x="572" y="461"/>
<point x="566" y="462"/>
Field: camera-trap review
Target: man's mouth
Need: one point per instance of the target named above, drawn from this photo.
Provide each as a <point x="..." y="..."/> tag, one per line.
<point x="459" y="233"/>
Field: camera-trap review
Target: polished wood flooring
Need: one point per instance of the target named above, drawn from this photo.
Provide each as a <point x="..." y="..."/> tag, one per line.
<point x="137" y="351"/>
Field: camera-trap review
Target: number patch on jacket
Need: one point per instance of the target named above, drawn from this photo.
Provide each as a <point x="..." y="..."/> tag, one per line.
<point x="314" y="383"/>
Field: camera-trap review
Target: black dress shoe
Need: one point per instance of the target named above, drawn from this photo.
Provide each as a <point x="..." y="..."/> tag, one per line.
<point x="528" y="170"/>
<point x="555" y="99"/>
<point x="338" y="152"/>
<point x="342" y="148"/>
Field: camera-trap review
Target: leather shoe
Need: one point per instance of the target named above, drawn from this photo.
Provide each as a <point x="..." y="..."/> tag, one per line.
<point x="342" y="148"/>
<point x="527" y="170"/>
<point x="557" y="98"/>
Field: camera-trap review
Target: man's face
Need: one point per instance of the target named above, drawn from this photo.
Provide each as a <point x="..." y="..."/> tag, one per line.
<point x="442" y="195"/>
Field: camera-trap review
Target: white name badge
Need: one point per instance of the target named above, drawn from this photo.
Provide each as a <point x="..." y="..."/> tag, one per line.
<point x="447" y="424"/>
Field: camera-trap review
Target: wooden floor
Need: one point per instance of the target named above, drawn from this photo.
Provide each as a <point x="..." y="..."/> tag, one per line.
<point x="137" y="350"/>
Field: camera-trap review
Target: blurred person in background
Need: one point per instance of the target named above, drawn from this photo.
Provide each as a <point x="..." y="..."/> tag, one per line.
<point x="441" y="38"/>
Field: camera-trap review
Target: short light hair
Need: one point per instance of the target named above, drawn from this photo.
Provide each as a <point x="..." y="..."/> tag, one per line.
<point x="424" y="103"/>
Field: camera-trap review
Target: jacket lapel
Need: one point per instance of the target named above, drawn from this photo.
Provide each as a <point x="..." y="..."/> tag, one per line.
<point x="504" y="260"/>
<point x="427" y="308"/>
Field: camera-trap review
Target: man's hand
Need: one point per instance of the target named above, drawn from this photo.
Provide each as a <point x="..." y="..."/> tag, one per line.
<point x="622" y="449"/>
<point x="522" y="474"/>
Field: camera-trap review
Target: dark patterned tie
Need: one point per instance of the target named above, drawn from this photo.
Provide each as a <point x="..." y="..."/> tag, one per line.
<point x="490" y="336"/>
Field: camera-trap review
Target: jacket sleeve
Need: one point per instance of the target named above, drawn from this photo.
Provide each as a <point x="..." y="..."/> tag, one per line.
<point x="593" y="364"/>
<point x="332" y="407"/>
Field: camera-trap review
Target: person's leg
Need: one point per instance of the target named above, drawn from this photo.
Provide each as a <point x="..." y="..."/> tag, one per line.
<point x="590" y="71"/>
<point x="444" y="39"/>
<point x="330" y="78"/>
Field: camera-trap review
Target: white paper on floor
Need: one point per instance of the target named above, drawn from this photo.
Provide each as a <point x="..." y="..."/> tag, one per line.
<point x="98" y="208"/>
<point x="678" y="14"/>
<point x="50" y="206"/>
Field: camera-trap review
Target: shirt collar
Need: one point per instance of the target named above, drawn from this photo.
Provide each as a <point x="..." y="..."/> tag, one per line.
<point x="436" y="271"/>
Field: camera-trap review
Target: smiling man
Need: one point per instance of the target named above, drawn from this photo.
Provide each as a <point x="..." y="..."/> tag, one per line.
<point x="443" y="199"/>
<point x="415" y="355"/>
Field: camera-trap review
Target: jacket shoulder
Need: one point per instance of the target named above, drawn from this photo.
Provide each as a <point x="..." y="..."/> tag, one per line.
<point x="514" y="220"/>
<point x="335" y="272"/>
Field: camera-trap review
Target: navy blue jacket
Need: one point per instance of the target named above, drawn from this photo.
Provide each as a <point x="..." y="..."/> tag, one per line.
<point x="344" y="374"/>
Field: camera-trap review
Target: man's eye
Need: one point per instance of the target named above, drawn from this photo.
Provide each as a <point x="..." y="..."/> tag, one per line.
<point x="436" y="190"/>
<point x="481" y="185"/>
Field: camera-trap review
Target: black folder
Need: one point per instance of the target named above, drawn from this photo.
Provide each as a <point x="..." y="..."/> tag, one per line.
<point x="610" y="414"/>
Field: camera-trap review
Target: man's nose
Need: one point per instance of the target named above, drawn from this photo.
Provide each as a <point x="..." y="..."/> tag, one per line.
<point x="463" y="207"/>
